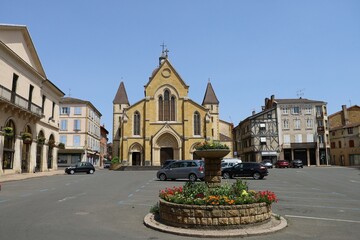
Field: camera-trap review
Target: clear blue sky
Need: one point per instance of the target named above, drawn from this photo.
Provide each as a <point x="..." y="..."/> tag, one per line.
<point x="249" y="50"/>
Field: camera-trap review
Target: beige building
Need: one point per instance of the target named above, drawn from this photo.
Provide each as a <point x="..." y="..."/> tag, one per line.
<point x="79" y="132"/>
<point x="166" y="123"/>
<point x="345" y="136"/>
<point x="303" y="130"/>
<point x="286" y="129"/>
<point x="29" y="106"/>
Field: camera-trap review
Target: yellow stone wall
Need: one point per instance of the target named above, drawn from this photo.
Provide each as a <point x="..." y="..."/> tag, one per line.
<point x="154" y="134"/>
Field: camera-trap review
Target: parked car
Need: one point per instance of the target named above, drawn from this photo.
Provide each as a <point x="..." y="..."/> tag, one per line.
<point x="229" y="162"/>
<point x="107" y="164"/>
<point x="282" y="164"/>
<point x="81" y="167"/>
<point x="181" y="169"/>
<point x="167" y="162"/>
<point x="246" y="169"/>
<point x="296" y="163"/>
<point x="267" y="163"/>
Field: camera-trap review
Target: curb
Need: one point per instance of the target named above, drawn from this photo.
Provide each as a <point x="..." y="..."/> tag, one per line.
<point x="273" y="225"/>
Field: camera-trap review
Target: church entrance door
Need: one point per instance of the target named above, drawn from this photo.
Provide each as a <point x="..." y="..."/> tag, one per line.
<point x="136" y="159"/>
<point x="165" y="154"/>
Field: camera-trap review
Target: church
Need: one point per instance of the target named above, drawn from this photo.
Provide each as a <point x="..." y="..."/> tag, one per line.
<point x="166" y="123"/>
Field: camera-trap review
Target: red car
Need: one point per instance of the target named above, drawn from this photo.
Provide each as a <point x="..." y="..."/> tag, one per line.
<point x="282" y="164"/>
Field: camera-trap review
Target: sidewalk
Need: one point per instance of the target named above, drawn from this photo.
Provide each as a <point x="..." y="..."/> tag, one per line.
<point x="21" y="176"/>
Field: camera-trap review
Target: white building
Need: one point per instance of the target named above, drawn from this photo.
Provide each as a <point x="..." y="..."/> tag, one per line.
<point x="29" y="103"/>
<point x="79" y="132"/>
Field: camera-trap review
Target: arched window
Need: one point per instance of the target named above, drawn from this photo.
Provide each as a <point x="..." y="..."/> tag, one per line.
<point x="161" y="109"/>
<point x="172" y="109"/>
<point x="196" y="123"/>
<point x="136" y="123"/>
<point x="167" y="107"/>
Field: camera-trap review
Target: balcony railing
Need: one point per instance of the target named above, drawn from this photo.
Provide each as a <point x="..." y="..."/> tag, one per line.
<point x="11" y="97"/>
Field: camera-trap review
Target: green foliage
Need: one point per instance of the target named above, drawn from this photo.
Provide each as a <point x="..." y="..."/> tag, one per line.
<point x="155" y="209"/>
<point x="212" y="145"/>
<point x="239" y="186"/>
<point x="194" y="190"/>
<point x="115" y="160"/>
<point x="226" y="194"/>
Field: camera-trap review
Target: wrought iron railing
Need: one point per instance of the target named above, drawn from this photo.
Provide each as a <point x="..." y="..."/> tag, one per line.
<point x="9" y="96"/>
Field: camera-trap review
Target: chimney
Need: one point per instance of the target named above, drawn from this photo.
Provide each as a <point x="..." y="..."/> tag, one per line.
<point x="345" y="115"/>
<point x="253" y="112"/>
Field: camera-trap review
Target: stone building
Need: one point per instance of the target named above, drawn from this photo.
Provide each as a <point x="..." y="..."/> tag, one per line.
<point x="345" y="136"/>
<point x="256" y="138"/>
<point x="103" y="144"/>
<point x="29" y="106"/>
<point x="286" y="129"/>
<point x="79" y="132"/>
<point x="166" y="123"/>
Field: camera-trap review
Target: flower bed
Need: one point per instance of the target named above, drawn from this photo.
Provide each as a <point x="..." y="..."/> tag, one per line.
<point x="196" y="204"/>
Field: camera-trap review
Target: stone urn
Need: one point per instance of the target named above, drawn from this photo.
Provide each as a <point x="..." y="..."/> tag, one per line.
<point x="212" y="165"/>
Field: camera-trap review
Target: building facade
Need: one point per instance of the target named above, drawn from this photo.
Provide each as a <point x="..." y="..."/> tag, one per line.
<point x="79" y="132"/>
<point x="303" y="130"/>
<point x="256" y="138"/>
<point x="29" y="106"/>
<point x="103" y="144"/>
<point x="345" y="136"/>
<point x="286" y="129"/>
<point x="166" y="123"/>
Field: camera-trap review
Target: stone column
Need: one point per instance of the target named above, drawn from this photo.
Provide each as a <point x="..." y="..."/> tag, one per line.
<point x="212" y="165"/>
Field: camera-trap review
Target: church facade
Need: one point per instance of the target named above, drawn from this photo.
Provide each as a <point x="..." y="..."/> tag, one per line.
<point x="166" y="123"/>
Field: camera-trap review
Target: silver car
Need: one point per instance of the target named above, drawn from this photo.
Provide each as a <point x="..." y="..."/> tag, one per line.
<point x="183" y="169"/>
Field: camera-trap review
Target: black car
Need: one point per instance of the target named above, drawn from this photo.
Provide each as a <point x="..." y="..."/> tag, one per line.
<point x="246" y="169"/>
<point x="81" y="167"/>
<point x="296" y="163"/>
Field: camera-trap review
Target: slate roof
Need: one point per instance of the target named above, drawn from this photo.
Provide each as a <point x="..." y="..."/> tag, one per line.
<point x="121" y="95"/>
<point x="210" y="97"/>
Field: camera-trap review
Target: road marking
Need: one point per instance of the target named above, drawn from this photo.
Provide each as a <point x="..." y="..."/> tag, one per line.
<point x="130" y="195"/>
<point x="44" y="190"/>
<point x="325" y="219"/>
<point x="1" y="201"/>
<point x="137" y="190"/>
<point x="71" y="197"/>
<point x="314" y="206"/>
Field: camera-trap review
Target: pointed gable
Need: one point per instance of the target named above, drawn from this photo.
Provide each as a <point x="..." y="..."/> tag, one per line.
<point x="121" y="95"/>
<point x="17" y="39"/>
<point x="165" y="74"/>
<point x="210" y="97"/>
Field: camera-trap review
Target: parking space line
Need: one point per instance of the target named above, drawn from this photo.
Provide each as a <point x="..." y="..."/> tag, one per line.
<point x="317" y="206"/>
<point x="324" y="219"/>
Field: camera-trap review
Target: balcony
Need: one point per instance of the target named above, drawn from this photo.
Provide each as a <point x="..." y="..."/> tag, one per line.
<point x="319" y="115"/>
<point x="321" y="129"/>
<point x="19" y="103"/>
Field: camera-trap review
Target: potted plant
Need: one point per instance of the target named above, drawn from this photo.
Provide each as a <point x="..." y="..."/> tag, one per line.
<point x="26" y="137"/>
<point x="213" y="149"/>
<point x="61" y="146"/>
<point x="51" y="142"/>
<point x="41" y="140"/>
<point x="8" y="131"/>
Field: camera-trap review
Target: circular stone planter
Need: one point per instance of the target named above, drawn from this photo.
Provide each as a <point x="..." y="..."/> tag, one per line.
<point x="195" y="216"/>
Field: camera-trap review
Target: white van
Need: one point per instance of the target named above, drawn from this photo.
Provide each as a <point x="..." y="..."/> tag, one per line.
<point x="229" y="162"/>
